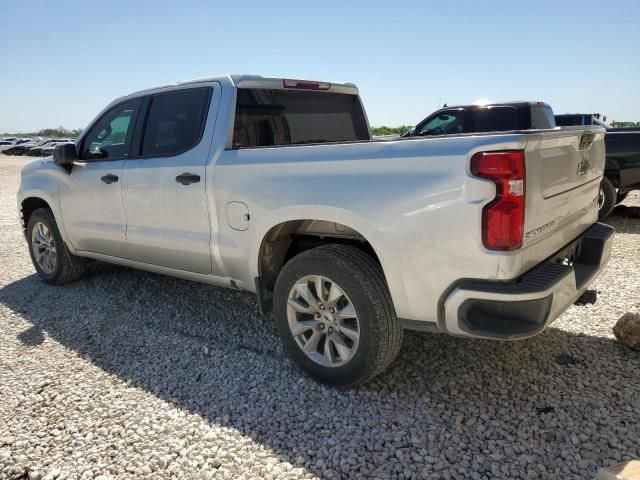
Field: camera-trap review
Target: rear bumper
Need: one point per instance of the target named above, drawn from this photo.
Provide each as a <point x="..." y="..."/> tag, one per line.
<point x="524" y="307"/>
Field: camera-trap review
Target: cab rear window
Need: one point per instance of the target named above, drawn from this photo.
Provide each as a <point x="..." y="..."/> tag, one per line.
<point x="266" y="118"/>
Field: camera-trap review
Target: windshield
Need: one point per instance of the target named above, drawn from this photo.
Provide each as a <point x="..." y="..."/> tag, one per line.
<point x="443" y="123"/>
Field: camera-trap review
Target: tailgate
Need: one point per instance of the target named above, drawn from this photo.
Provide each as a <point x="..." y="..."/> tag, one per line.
<point x="563" y="171"/>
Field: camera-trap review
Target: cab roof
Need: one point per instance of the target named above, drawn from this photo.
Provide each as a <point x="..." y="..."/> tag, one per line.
<point x="499" y="104"/>
<point x="252" y="81"/>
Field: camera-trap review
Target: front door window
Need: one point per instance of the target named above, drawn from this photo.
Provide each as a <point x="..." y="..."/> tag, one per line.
<point x="110" y="138"/>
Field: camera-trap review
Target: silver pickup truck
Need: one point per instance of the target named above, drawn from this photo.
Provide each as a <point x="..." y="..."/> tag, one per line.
<point x="274" y="186"/>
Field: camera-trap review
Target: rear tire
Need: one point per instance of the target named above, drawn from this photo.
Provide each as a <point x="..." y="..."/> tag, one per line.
<point x="51" y="258"/>
<point x="360" y="282"/>
<point x="606" y="199"/>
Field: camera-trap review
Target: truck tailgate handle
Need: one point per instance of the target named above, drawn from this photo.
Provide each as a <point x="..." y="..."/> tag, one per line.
<point x="187" y="178"/>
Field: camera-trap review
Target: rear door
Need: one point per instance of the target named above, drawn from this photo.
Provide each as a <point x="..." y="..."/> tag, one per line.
<point x="164" y="193"/>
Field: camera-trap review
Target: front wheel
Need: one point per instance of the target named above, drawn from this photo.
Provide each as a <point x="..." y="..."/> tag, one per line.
<point x="49" y="254"/>
<point x="335" y="315"/>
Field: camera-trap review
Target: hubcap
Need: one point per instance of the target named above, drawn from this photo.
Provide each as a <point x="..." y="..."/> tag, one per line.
<point x="323" y="321"/>
<point x="600" y="199"/>
<point x="44" y="247"/>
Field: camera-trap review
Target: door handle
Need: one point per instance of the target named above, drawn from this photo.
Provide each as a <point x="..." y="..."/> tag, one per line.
<point x="187" y="178"/>
<point x="109" y="178"/>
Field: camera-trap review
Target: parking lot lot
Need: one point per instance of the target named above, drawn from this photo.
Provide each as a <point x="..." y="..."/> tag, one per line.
<point x="131" y="374"/>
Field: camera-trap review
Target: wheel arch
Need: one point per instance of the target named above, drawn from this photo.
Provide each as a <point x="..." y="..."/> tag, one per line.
<point x="30" y="199"/>
<point x="28" y="206"/>
<point x="286" y="238"/>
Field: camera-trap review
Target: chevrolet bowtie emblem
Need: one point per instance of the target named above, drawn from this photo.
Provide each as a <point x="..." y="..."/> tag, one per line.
<point x="583" y="166"/>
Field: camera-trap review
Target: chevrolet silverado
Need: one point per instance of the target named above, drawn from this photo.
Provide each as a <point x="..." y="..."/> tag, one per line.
<point x="274" y="186"/>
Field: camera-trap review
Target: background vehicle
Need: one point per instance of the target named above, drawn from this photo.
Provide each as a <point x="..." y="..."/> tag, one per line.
<point x="7" y="145"/>
<point x="274" y="186"/>
<point x="615" y="124"/>
<point x="493" y="117"/>
<point x="37" y="150"/>
<point x="23" y="147"/>
<point x="622" y="167"/>
<point x="47" y="149"/>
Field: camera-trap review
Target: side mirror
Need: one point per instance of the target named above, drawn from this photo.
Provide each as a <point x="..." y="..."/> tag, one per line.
<point x="64" y="155"/>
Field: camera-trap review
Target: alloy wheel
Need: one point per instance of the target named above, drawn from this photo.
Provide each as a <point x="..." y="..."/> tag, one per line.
<point x="44" y="247"/>
<point x="323" y="321"/>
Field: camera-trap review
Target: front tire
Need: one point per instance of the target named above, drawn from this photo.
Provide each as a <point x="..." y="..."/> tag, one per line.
<point x="606" y="199"/>
<point x="335" y="315"/>
<point x="51" y="258"/>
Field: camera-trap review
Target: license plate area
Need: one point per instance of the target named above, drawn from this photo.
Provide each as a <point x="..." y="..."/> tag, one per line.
<point x="569" y="255"/>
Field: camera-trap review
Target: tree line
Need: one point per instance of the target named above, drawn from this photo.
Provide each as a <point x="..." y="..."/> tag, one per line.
<point x="59" y="132"/>
<point x="384" y="130"/>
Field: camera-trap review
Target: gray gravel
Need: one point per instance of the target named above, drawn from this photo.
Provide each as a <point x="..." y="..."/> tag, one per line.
<point x="129" y="374"/>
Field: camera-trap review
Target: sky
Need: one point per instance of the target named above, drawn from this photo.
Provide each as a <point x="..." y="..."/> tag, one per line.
<point x="62" y="62"/>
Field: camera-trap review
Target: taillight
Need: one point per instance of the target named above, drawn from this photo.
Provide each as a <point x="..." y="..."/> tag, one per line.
<point x="305" y="84"/>
<point x="503" y="218"/>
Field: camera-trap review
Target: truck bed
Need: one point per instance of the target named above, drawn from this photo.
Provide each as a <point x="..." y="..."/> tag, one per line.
<point x="417" y="202"/>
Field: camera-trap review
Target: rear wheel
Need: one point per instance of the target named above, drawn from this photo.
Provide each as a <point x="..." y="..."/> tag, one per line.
<point x="335" y="315"/>
<point x="606" y="198"/>
<point x="49" y="254"/>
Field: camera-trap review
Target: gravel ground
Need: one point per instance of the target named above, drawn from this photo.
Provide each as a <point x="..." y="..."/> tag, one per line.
<point x="130" y="374"/>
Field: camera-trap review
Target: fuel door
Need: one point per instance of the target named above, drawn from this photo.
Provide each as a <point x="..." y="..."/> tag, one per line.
<point x="238" y="215"/>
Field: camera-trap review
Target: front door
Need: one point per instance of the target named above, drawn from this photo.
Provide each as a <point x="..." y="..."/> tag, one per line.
<point x="91" y="195"/>
<point x="163" y="185"/>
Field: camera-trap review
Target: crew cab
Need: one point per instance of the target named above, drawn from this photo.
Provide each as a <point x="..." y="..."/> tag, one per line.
<point x="622" y="165"/>
<point x="274" y="186"/>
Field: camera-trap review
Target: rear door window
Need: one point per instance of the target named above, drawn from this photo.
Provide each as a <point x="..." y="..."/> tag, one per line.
<point x="271" y="117"/>
<point x="175" y="122"/>
<point x="542" y="117"/>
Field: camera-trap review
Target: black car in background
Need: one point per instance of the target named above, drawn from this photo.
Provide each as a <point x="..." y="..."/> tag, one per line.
<point x="7" y="144"/>
<point x="46" y="147"/>
<point x="492" y="117"/>
<point x="622" y="167"/>
<point x="21" y="149"/>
